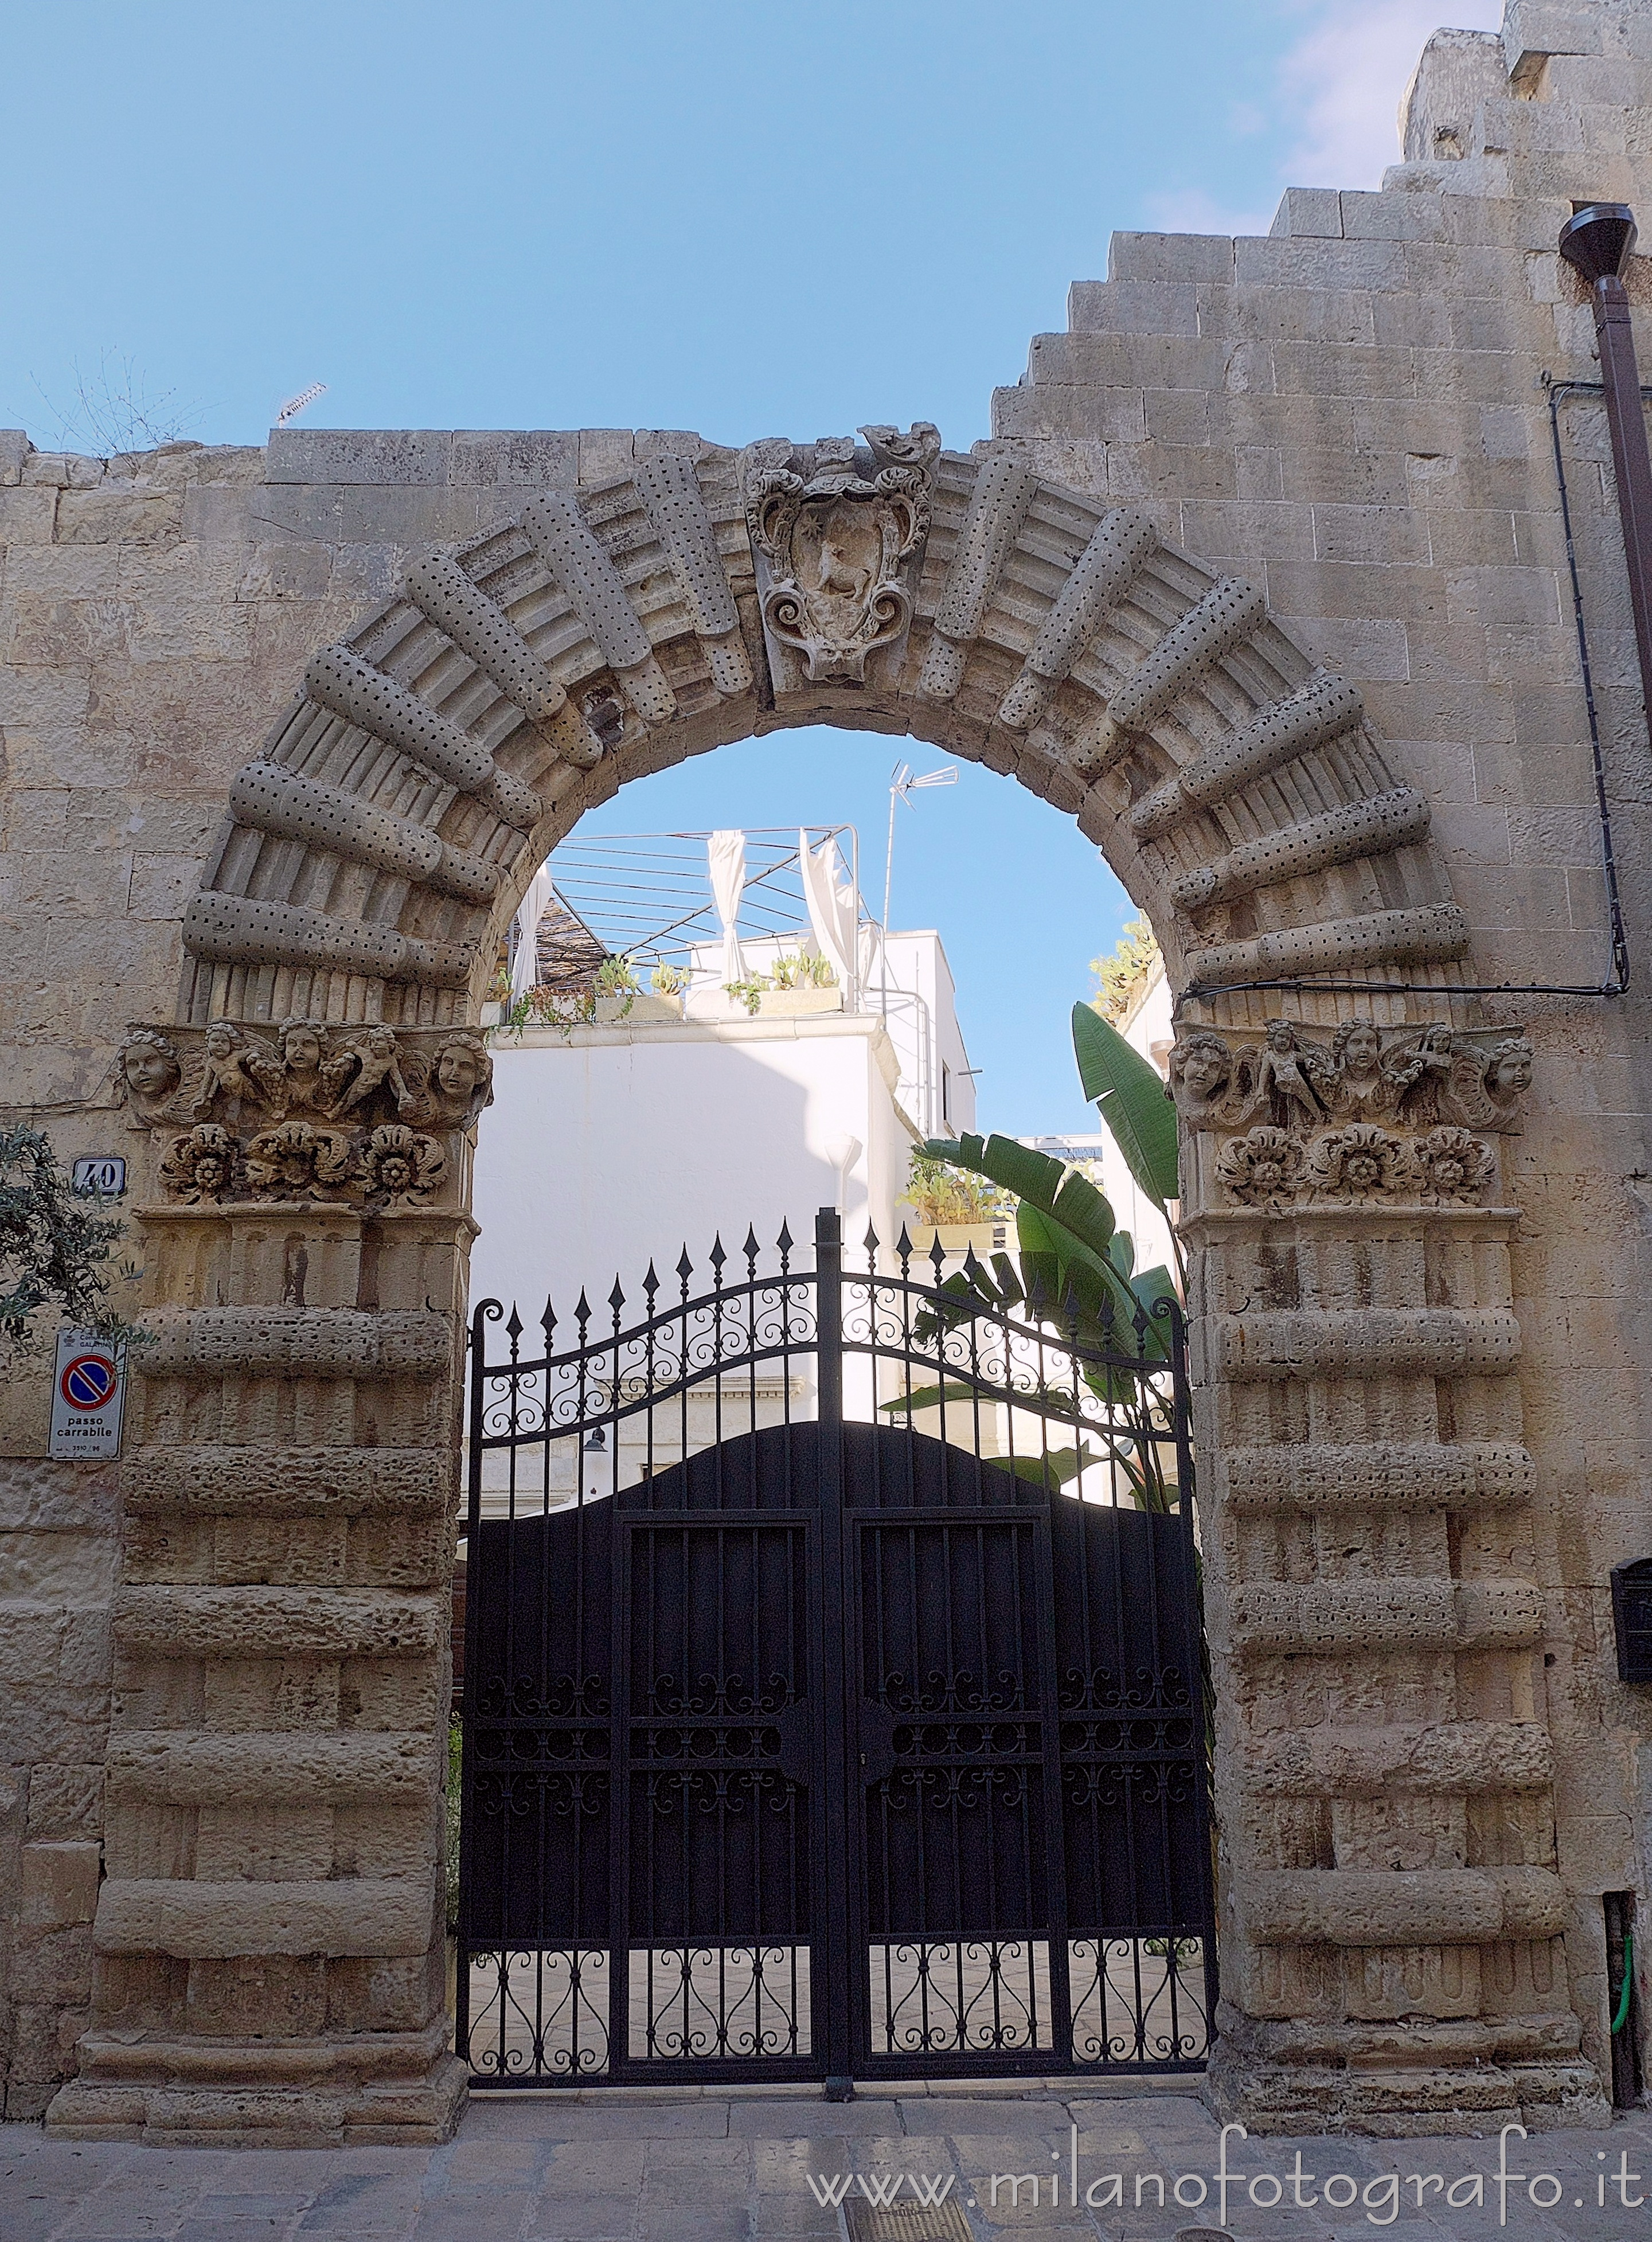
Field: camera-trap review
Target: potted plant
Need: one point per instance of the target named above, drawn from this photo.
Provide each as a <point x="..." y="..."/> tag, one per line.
<point x="621" y="997"/>
<point x="798" y="984"/>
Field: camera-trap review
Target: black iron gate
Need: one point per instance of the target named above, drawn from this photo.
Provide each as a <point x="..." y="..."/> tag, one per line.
<point x="823" y="1732"/>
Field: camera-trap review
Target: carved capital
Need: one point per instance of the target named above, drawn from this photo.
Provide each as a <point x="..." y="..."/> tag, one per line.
<point x="358" y="1117"/>
<point x="251" y="1080"/>
<point x="1411" y="1078"/>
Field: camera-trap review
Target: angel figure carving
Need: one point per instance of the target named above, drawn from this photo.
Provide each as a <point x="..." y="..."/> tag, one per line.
<point x="147" y="1072"/>
<point x="377" y="1060"/>
<point x="311" y="1073"/>
<point x="1201" y="1073"/>
<point x="1486" y="1089"/>
<point x="1287" y="1071"/>
<point x="1358" y="1087"/>
<point x="235" y="1066"/>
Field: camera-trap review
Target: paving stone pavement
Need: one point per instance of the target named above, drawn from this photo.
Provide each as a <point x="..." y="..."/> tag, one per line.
<point x="709" y="2167"/>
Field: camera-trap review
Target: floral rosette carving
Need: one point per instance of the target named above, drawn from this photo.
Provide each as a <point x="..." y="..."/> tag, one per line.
<point x="200" y="1167"/>
<point x="399" y="1164"/>
<point x="1363" y="1161"/>
<point x="1453" y="1164"/>
<point x="294" y="1160"/>
<point x="1263" y="1169"/>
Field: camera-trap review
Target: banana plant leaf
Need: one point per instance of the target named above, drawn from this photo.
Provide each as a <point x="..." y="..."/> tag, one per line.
<point x="929" y="1397"/>
<point x="1065" y="1230"/>
<point x="1139" y="1116"/>
<point x="1054" y="1468"/>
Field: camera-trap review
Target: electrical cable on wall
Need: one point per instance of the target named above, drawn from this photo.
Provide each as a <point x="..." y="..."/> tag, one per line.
<point x="1616" y="982"/>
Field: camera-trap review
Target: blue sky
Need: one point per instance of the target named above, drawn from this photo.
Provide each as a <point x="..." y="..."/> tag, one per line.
<point x="744" y="218"/>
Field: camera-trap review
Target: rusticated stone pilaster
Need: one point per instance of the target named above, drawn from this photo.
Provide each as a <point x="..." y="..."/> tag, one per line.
<point x="1394" y="1956"/>
<point x="268" y="1932"/>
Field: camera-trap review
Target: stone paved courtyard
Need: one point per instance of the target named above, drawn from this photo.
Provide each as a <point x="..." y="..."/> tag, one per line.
<point x="623" y="2167"/>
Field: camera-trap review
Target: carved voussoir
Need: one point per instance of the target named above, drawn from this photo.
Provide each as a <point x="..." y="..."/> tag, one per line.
<point x="1226" y="617"/>
<point x="1004" y="486"/>
<point x="273" y="800"/>
<point x="1356" y="829"/>
<point x="1321" y="711"/>
<point x="671" y="496"/>
<point x="1425" y="934"/>
<point x="438" y="587"/>
<point x="240" y="931"/>
<point x="576" y="560"/>
<point x="338" y="679"/>
<point x="1109" y="564"/>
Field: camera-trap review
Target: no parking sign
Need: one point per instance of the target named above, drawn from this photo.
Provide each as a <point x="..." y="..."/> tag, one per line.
<point x="88" y="1392"/>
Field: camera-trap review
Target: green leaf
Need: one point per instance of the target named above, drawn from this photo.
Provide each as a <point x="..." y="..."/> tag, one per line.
<point x="1011" y="1291"/>
<point x="1082" y="1209"/>
<point x="1053" y="1469"/>
<point x="929" y="1397"/>
<point x="1065" y="1230"/>
<point x="1064" y="1265"/>
<point x="1138" y="1115"/>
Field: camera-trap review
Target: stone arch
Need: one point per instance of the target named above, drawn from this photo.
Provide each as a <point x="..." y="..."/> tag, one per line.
<point x="439" y="753"/>
<point x="271" y="1969"/>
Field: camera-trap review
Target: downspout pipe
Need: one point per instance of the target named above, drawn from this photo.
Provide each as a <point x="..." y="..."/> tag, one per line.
<point x="1598" y="243"/>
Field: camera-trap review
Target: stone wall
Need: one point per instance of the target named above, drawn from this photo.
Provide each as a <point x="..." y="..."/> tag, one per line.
<point x="1353" y="414"/>
<point x="1341" y="435"/>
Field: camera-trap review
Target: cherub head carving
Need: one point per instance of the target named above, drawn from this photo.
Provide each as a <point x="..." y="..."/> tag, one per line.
<point x="1356" y="1048"/>
<point x="301" y="1045"/>
<point x="1508" y="1070"/>
<point x="1200" y="1064"/>
<point x="147" y="1068"/>
<point x="463" y="1074"/>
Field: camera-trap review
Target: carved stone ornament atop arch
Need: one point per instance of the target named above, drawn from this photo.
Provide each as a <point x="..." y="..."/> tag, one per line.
<point x="308" y="1121"/>
<point x="831" y="545"/>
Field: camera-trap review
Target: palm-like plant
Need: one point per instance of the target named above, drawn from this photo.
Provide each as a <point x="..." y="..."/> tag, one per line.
<point x="1074" y="1273"/>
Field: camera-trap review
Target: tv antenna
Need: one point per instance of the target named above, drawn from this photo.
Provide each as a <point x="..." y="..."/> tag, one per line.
<point x="294" y="405"/>
<point x="904" y="783"/>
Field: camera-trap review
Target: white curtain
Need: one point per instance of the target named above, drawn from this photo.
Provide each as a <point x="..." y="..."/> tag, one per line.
<point x="530" y="911"/>
<point x="834" y="908"/>
<point x="726" y="853"/>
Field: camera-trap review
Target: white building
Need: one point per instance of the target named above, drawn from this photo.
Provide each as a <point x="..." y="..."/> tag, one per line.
<point x="669" y="1121"/>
